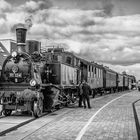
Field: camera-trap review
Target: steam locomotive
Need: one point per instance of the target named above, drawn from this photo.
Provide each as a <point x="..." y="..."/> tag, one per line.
<point x="36" y="82"/>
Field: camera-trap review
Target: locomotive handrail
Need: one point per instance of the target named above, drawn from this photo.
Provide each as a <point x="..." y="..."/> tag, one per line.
<point x="7" y="86"/>
<point x="13" y="84"/>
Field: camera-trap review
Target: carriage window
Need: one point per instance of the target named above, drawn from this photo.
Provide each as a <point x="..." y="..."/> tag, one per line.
<point x="89" y="68"/>
<point x="74" y="61"/>
<point x="92" y="68"/>
<point x="92" y="71"/>
<point x="68" y="60"/>
<point x="101" y="73"/>
<point x="77" y="62"/>
<point x="95" y="70"/>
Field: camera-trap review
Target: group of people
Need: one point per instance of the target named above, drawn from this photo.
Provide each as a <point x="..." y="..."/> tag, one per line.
<point x="84" y="92"/>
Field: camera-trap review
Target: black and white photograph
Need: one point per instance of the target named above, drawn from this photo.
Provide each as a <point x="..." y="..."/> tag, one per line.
<point x="69" y="69"/>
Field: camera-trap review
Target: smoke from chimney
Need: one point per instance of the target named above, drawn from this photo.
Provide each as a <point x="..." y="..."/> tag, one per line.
<point x="28" y="22"/>
<point x="108" y="7"/>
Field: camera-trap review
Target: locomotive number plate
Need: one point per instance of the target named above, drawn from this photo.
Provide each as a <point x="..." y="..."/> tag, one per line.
<point x="17" y="75"/>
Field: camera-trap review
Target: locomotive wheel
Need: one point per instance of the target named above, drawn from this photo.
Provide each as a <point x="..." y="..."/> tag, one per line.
<point x="59" y="106"/>
<point x="38" y="108"/>
<point x="7" y="112"/>
<point x="71" y="100"/>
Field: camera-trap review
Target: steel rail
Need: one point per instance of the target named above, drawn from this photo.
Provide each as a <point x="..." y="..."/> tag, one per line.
<point x="4" y="132"/>
<point x="136" y="118"/>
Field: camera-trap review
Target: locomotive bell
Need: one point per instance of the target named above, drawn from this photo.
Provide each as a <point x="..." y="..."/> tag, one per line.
<point x="21" y="38"/>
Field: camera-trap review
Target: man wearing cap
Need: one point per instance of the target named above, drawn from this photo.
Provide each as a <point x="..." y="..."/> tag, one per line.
<point x="86" y="91"/>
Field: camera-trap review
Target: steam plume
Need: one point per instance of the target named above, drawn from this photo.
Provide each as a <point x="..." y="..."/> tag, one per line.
<point x="28" y="22"/>
<point x="108" y="7"/>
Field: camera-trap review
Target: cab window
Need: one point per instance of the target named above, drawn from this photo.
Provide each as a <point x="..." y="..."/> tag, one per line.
<point x="69" y="60"/>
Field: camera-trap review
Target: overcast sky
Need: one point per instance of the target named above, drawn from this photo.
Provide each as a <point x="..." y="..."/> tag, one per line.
<point x="105" y="31"/>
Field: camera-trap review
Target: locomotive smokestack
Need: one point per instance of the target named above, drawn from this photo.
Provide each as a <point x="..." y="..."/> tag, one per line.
<point x="21" y="38"/>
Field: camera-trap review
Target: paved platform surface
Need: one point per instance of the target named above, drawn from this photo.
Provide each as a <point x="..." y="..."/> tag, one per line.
<point x="111" y="118"/>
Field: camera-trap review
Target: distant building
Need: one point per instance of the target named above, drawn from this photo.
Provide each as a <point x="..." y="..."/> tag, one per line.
<point x="7" y="46"/>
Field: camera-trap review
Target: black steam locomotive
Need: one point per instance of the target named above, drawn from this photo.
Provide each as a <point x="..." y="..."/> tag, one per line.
<point x="33" y="82"/>
<point x="39" y="82"/>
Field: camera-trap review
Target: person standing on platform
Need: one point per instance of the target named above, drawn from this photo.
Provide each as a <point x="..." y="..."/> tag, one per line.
<point x="80" y="94"/>
<point x="86" y="91"/>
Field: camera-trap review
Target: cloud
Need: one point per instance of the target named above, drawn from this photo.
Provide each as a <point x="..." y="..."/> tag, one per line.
<point x="5" y="6"/>
<point x="99" y="38"/>
<point x="35" y="5"/>
<point x="107" y="7"/>
<point x="3" y="25"/>
<point x="26" y="12"/>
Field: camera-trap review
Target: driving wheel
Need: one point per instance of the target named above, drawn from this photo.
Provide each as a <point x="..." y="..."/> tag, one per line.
<point x="38" y="108"/>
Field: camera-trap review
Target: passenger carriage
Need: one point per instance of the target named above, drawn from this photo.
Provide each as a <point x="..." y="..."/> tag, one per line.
<point x="120" y="82"/>
<point x="95" y="78"/>
<point x="125" y="81"/>
<point x="110" y="80"/>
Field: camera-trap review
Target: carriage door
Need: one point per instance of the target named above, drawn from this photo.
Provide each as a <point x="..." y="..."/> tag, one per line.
<point x="83" y="71"/>
<point x="104" y="78"/>
<point x="78" y="75"/>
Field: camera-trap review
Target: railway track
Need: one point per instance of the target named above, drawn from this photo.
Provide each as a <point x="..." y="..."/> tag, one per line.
<point x="42" y="122"/>
<point x="8" y="126"/>
<point x="136" y="118"/>
<point x="15" y="121"/>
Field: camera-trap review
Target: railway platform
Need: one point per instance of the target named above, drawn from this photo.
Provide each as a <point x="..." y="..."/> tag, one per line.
<point x="112" y="117"/>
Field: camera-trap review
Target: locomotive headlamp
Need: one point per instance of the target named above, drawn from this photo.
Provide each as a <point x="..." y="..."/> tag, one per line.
<point x="33" y="82"/>
<point x="14" y="54"/>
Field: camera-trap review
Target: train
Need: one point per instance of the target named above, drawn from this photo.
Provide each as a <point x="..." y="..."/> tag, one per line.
<point x="36" y="82"/>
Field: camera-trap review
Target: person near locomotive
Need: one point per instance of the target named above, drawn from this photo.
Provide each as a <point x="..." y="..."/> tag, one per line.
<point x="80" y="94"/>
<point x="85" y="95"/>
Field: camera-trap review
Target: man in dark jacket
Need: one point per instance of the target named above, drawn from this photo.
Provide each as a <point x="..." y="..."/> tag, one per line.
<point x="80" y="94"/>
<point x="86" y="91"/>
